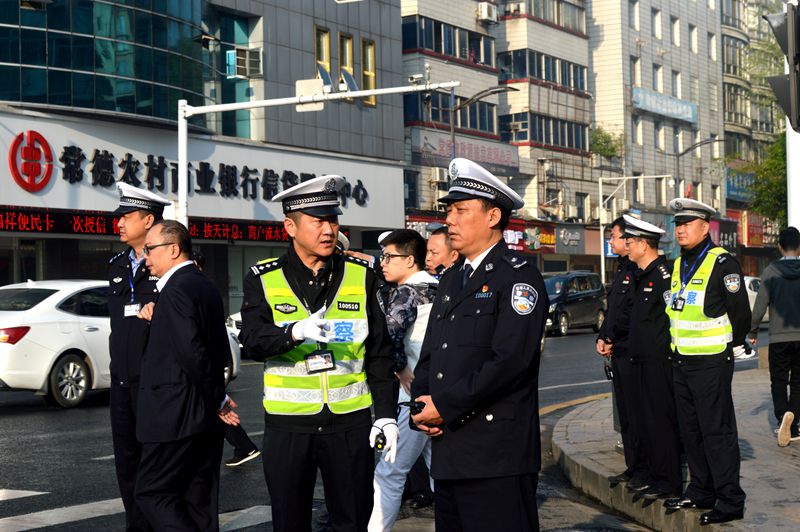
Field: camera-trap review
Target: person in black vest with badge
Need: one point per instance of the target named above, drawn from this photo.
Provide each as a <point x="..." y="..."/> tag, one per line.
<point x="613" y="341"/>
<point x="479" y="365"/>
<point x="131" y="287"/>
<point x="313" y="317"/>
<point x="710" y="318"/>
<point x="656" y="420"/>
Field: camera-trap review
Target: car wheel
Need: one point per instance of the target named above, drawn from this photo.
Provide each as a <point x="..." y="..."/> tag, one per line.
<point x="69" y="381"/>
<point x="563" y="325"/>
<point x="598" y="322"/>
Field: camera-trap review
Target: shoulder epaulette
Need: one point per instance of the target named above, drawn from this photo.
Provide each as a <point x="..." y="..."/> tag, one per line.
<point x="356" y="260"/>
<point x="264" y="266"/>
<point x="516" y="261"/>
<point x="115" y="257"/>
<point x="664" y="272"/>
<point x="722" y="258"/>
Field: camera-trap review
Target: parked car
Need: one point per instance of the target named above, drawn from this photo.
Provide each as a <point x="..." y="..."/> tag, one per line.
<point x="752" y="284"/>
<point x="577" y="299"/>
<point x="54" y="339"/>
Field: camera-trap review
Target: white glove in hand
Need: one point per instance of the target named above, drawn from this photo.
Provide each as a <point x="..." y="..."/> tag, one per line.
<point x="741" y="353"/>
<point x="312" y="328"/>
<point x="389" y="427"/>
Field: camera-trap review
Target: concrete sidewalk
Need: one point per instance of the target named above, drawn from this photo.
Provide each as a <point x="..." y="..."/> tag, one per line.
<point x="583" y="444"/>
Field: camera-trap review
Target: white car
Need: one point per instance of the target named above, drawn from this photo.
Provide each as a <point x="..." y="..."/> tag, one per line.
<point x="752" y="284"/>
<point x="54" y="339"/>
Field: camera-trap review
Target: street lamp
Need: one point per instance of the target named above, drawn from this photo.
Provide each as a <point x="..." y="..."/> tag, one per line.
<point x="678" y="155"/>
<point x="466" y="103"/>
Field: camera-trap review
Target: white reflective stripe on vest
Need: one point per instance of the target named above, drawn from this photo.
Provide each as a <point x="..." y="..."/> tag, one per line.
<point x="351" y="391"/>
<point x="704" y="340"/>
<point x="286" y="368"/>
<point x="722" y="321"/>
<point x="293" y="395"/>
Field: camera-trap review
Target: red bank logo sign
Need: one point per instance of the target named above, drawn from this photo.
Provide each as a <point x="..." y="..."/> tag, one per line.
<point x="31" y="161"/>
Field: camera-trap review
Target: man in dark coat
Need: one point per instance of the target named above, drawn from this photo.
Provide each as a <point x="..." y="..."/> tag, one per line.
<point x="479" y="366"/>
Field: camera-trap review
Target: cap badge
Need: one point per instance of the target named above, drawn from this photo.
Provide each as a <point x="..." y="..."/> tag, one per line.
<point x="330" y="186"/>
<point x="453" y="170"/>
<point x="678" y="205"/>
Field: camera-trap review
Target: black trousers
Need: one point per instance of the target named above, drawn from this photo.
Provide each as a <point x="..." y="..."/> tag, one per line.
<point x="127" y="451"/>
<point x="480" y="505"/>
<point x="708" y="429"/>
<point x="626" y="396"/>
<point x="237" y="436"/>
<point x="346" y="462"/>
<point x="784" y="373"/>
<point x="658" y="424"/>
<point x="178" y="483"/>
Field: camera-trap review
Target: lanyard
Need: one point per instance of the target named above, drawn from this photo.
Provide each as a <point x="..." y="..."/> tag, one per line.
<point x="130" y="281"/>
<point x="302" y="297"/>
<point x="686" y="277"/>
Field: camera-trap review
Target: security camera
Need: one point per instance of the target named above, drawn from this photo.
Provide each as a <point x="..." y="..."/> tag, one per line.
<point x="415" y="79"/>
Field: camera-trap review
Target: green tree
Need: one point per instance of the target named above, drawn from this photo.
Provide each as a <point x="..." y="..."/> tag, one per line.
<point x="769" y="184"/>
<point x="605" y="144"/>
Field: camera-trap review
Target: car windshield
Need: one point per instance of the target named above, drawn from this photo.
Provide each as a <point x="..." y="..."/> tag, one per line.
<point x="23" y="298"/>
<point x="554" y="286"/>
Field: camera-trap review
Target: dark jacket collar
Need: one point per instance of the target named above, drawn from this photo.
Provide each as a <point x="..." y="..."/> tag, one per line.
<point x="693" y="253"/>
<point x="294" y="262"/>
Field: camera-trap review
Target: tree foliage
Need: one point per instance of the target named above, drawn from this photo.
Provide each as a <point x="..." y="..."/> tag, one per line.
<point x="605" y="144"/>
<point x="769" y="184"/>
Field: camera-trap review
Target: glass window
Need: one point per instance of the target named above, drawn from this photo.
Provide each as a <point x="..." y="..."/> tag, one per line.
<point x="488" y="51"/>
<point x="83" y="90"/>
<point x="34" y="47"/>
<point x="449" y="39"/>
<point x="160" y="101"/>
<point x="550" y="68"/>
<point x="159" y="32"/>
<point x="160" y="66"/>
<point x="712" y="46"/>
<point x="655" y="21"/>
<point x="9" y="83"/>
<point x="36" y="18"/>
<point x="58" y="45"/>
<point x="368" y="69"/>
<point x="675" y="30"/>
<point x="82" y="53"/>
<point x="104" y="93"/>
<point x="565" y="73"/>
<point x="676" y="84"/>
<point x="58" y="15"/>
<point x="345" y="54"/>
<point x="535" y="64"/>
<point x="636" y="72"/>
<point x="82" y="16"/>
<point x="9" y="45"/>
<point x="125" y="95"/>
<point x="463" y="44"/>
<point x="59" y="87"/>
<point x="144" y="99"/>
<point x="34" y="85"/>
<point x="20" y="299"/>
<point x="144" y="28"/>
<point x="144" y="62"/>
<point x="693" y="38"/>
<point x="322" y="49"/>
<point x="657" y="78"/>
<point x="412" y="108"/>
<point x="519" y="64"/>
<point x="426" y="33"/>
<point x="633" y="14"/>
<point x="9" y="16"/>
<point x="410" y="31"/>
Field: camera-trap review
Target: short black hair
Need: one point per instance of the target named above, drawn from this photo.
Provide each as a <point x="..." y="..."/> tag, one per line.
<point x="619" y="222"/>
<point x="505" y="214"/>
<point x="198" y="259"/>
<point x="652" y="243"/>
<point x="408" y="242"/>
<point x="789" y="239"/>
<point x="176" y="233"/>
<point x="443" y="231"/>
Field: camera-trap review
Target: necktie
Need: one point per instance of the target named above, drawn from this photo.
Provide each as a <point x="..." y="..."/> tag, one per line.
<point x="466" y="274"/>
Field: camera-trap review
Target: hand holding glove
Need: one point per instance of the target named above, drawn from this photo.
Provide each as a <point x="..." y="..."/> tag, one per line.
<point x="741" y="353"/>
<point x="388" y="427"/>
<point x="312" y="328"/>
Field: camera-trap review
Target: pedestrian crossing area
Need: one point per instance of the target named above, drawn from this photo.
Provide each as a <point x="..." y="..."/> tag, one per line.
<point x="228" y="521"/>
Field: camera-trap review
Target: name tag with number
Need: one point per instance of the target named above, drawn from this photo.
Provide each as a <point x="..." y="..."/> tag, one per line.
<point x="678" y="303"/>
<point x="320" y="361"/>
<point x="132" y="310"/>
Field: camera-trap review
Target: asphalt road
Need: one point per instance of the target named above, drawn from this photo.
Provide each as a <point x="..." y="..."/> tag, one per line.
<point x="57" y="468"/>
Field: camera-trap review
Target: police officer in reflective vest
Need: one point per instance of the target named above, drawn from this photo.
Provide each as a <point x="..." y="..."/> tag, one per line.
<point x="130" y="288"/>
<point x="313" y="317"/>
<point x="709" y="319"/>
<point x="479" y="366"/>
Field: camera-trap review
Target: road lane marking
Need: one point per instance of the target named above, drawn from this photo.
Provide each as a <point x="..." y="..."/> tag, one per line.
<point x="574" y="384"/>
<point x="7" y="495"/>
<point x="107" y="457"/>
<point x="253" y="516"/>
<point x="566" y="404"/>
<point x="60" y="516"/>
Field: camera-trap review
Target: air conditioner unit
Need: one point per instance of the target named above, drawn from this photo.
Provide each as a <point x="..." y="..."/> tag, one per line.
<point x="595" y="213"/>
<point x="515" y="126"/>
<point x="243" y="63"/>
<point x="487" y="12"/>
<point x="570" y="211"/>
<point x="622" y="204"/>
<point x="440" y="175"/>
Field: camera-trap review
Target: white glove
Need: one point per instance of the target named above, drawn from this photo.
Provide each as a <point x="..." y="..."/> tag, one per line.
<point x="389" y="427"/>
<point x="312" y="328"/>
<point x="741" y="353"/>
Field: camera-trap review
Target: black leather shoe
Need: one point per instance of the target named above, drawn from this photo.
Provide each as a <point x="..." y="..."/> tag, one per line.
<point x="615" y="480"/>
<point x="637" y="486"/>
<point x="718" y="516"/>
<point x="682" y="503"/>
<point x="656" y="493"/>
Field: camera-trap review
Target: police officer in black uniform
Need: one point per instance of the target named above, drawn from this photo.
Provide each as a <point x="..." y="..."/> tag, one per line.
<point x="703" y="381"/>
<point x="296" y="444"/>
<point x="655" y="414"/>
<point x="613" y="342"/>
<point x="479" y="366"/>
<point x="130" y="288"/>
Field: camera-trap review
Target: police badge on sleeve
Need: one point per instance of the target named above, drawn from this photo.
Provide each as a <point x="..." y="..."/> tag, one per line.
<point x="732" y="282"/>
<point x="523" y="298"/>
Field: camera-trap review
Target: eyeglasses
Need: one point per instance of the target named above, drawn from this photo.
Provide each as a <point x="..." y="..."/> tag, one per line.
<point x="386" y="257"/>
<point x="147" y="249"/>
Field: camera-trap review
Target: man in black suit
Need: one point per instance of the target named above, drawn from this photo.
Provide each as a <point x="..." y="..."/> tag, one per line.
<point x="479" y="366"/>
<point x="182" y="391"/>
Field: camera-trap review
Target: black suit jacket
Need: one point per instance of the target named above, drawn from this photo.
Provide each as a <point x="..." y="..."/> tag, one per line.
<point x="182" y="384"/>
<point x="480" y="364"/>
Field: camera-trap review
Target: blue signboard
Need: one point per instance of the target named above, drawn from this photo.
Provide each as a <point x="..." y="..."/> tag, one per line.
<point x="664" y="105"/>
<point x="610" y="252"/>
<point x="738" y="185"/>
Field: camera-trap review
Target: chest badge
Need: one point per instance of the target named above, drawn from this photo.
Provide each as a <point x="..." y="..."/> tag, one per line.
<point x="347" y="306"/>
<point x="484" y="293"/>
<point x="523" y="298"/>
<point x="117" y="279"/>
<point x="286" y="308"/>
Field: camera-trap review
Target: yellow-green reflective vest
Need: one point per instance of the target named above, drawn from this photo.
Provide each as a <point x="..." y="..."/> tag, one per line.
<point x="288" y="388"/>
<point x="692" y="332"/>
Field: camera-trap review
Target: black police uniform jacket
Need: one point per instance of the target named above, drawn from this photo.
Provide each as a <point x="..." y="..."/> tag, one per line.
<point x="128" y="335"/>
<point x="480" y="364"/>
<point x="618" y="316"/>
<point x="649" y="332"/>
